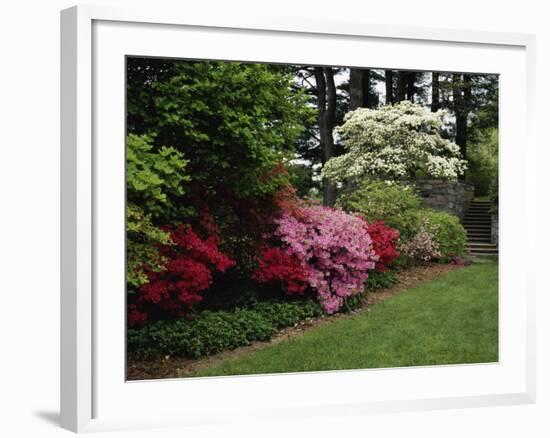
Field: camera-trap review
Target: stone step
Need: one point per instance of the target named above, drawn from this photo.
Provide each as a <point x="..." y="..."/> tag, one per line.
<point x="476" y="255"/>
<point x="480" y="246"/>
<point x="485" y="239"/>
<point x="485" y="236"/>
<point x="483" y="253"/>
<point x="484" y="217"/>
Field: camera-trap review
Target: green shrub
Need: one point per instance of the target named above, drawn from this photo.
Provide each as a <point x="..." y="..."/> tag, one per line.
<point x="155" y="179"/>
<point x="399" y="206"/>
<point x="211" y="332"/>
<point x="143" y="240"/>
<point x="377" y="200"/>
<point x="445" y="228"/>
<point x="448" y="233"/>
<point x="380" y="280"/>
<point x="284" y="314"/>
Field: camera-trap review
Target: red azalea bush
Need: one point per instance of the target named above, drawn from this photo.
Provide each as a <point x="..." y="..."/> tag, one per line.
<point x="276" y="265"/>
<point x="384" y="243"/>
<point x="188" y="272"/>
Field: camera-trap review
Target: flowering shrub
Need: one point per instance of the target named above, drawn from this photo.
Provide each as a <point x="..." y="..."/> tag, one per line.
<point x="188" y="272"/>
<point x="447" y="231"/>
<point x="277" y="265"/>
<point x="422" y="246"/>
<point x="394" y="141"/>
<point x="384" y="243"/>
<point x="334" y="248"/>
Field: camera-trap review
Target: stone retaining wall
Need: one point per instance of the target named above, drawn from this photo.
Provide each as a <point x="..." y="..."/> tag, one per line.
<point x="453" y="197"/>
<point x="494" y="228"/>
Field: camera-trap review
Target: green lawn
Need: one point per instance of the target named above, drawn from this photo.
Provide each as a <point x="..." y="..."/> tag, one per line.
<point x="450" y="320"/>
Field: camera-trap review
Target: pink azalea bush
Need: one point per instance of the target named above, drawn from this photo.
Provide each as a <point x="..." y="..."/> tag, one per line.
<point x="334" y="248"/>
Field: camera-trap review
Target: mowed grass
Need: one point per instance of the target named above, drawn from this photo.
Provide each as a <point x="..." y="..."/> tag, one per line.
<point x="450" y="320"/>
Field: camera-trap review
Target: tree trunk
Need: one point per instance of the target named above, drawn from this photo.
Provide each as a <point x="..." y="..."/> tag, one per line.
<point x="367" y="98"/>
<point x="401" y="93"/>
<point x="436" y="104"/>
<point x="389" y="87"/>
<point x="359" y="86"/>
<point x="461" y="113"/>
<point x="326" y="104"/>
<point x="356" y="91"/>
<point x="411" y="79"/>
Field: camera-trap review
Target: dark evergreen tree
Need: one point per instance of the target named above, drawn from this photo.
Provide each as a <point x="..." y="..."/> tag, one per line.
<point x="326" y="105"/>
<point x="388" y="79"/>
<point x="436" y="104"/>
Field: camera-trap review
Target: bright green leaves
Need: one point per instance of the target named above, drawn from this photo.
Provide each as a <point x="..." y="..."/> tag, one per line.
<point x="155" y="179"/>
<point x="233" y="121"/>
<point x="142" y="240"/>
<point x="154" y="183"/>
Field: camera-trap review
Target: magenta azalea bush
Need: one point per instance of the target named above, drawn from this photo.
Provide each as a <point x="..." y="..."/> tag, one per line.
<point x="334" y="248"/>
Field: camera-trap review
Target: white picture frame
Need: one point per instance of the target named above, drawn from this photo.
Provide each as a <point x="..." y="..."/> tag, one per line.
<point x="93" y="396"/>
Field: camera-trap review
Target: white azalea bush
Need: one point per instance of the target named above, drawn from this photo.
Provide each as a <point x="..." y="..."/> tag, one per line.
<point x="394" y="142"/>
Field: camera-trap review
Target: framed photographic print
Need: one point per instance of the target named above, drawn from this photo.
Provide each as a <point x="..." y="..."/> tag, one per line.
<point x="269" y="217"/>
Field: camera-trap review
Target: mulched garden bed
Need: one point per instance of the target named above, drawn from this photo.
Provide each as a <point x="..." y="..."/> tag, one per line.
<point x="174" y="367"/>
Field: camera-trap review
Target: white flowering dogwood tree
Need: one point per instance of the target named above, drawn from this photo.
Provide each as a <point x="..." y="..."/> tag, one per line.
<point x="394" y="142"/>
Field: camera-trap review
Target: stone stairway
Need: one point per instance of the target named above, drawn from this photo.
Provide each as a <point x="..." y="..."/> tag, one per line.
<point x="477" y="223"/>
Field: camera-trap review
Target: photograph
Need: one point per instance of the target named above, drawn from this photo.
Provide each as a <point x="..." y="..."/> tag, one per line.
<point x="285" y="218"/>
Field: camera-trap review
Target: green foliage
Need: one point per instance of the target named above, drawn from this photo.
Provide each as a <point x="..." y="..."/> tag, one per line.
<point x="142" y="241"/>
<point x="382" y="200"/>
<point x="395" y="203"/>
<point x="445" y="228"/>
<point x="483" y="160"/>
<point x="399" y="206"/>
<point x="154" y="183"/>
<point x="154" y="178"/>
<point x="233" y="121"/>
<point x="287" y="313"/>
<point x="211" y="332"/>
<point x="380" y="280"/>
<point x="448" y="233"/>
<point x="301" y="178"/>
<point x="353" y="302"/>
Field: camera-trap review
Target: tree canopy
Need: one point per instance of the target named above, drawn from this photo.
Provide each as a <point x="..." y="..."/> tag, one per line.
<point x="394" y="142"/>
